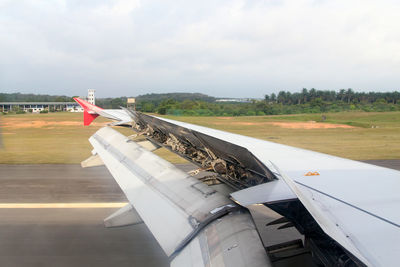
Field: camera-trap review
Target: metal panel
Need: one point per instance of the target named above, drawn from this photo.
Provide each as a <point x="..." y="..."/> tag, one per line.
<point x="126" y="215"/>
<point x="92" y="161"/>
<point x="171" y="203"/>
<point x="115" y="114"/>
<point x="270" y="192"/>
<point x="364" y="225"/>
<point x="229" y="241"/>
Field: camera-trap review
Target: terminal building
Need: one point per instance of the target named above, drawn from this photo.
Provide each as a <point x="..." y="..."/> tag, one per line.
<point x="37" y="107"/>
<point x="40" y="106"/>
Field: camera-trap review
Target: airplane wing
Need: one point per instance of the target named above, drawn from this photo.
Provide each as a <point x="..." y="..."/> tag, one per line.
<point x="346" y="210"/>
<point x="193" y="223"/>
<point x="91" y="112"/>
<point x="354" y="203"/>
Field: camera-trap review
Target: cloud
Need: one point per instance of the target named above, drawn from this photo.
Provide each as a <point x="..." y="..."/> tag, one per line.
<point x="223" y="48"/>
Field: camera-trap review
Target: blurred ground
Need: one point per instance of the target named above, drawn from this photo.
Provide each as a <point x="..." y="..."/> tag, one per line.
<point x="74" y="235"/>
<point x="32" y="236"/>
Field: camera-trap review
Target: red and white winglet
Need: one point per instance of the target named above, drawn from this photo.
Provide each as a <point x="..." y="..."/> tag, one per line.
<point x="90" y="112"/>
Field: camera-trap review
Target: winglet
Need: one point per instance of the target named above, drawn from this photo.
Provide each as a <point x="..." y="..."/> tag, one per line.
<point x="88" y="118"/>
<point x="90" y="112"/>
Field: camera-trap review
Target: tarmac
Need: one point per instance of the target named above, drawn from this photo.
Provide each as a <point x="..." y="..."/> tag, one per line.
<point x="73" y="235"/>
<point x="52" y="215"/>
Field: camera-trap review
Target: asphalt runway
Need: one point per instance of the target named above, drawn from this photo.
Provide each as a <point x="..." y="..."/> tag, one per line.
<point x="387" y="163"/>
<point x="72" y="236"/>
<point x="72" y="233"/>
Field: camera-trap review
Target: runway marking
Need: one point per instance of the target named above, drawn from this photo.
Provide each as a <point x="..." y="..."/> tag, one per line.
<point x="62" y="205"/>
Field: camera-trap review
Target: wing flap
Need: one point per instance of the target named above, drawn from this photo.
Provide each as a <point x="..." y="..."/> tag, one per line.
<point x="126" y="215"/>
<point x="271" y="192"/>
<point x="193" y="223"/>
<point x="171" y="203"/>
<point x="92" y="161"/>
<point x="324" y="216"/>
<point x="230" y="241"/>
<point x="357" y="230"/>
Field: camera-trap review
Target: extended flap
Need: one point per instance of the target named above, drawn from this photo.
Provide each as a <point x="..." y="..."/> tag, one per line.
<point x="270" y="192"/>
<point x="193" y="223"/>
<point x="92" y="161"/>
<point x="171" y="203"/>
<point x="126" y="215"/>
<point x="150" y="146"/>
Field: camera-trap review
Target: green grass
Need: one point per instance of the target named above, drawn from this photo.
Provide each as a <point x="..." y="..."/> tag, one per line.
<point x="363" y="119"/>
<point x="58" y="143"/>
<point x="360" y="143"/>
<point x="47" y="144"/>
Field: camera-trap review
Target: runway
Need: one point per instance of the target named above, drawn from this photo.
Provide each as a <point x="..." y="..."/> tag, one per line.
<point x="68" y="230"/>
<point x="52" y="215"/>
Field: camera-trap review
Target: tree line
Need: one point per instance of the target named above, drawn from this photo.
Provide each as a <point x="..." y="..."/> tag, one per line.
<point x="347" y="96"/>
<point x="150" y="102"/>
<point x="306" y="101"/>
<point x="18" y="97"/>
<point x="187" y="104"/>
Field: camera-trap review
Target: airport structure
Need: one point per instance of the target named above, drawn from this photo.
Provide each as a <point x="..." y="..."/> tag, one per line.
<point x="235" y="100"/>
<point x="37" y="106"/>
<point x="40" y="106"/>
<point x="91" y="98"/>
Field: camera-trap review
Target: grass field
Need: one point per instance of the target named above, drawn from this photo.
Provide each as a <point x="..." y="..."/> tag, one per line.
<point x="61" y="137"/>
<point x="54" y="138"/>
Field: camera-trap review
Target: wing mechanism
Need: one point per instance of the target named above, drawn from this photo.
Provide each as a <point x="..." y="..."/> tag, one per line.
<point x="234" y="164"/>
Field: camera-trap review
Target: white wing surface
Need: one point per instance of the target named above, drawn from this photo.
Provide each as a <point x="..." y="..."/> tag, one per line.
<point x="194" y="224"/>
<point x="356" y="204"/>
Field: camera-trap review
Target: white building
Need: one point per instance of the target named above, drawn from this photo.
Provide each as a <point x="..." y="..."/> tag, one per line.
<point x="36" y="107"/>
<point x="91" y="97"/>
<point x="72" y="107"/>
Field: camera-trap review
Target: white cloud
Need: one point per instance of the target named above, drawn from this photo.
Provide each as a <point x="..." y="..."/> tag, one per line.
<point x="231" y="48"/>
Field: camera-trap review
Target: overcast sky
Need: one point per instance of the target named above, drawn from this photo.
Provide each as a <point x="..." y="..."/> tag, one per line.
<point x="221" y="48"/>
